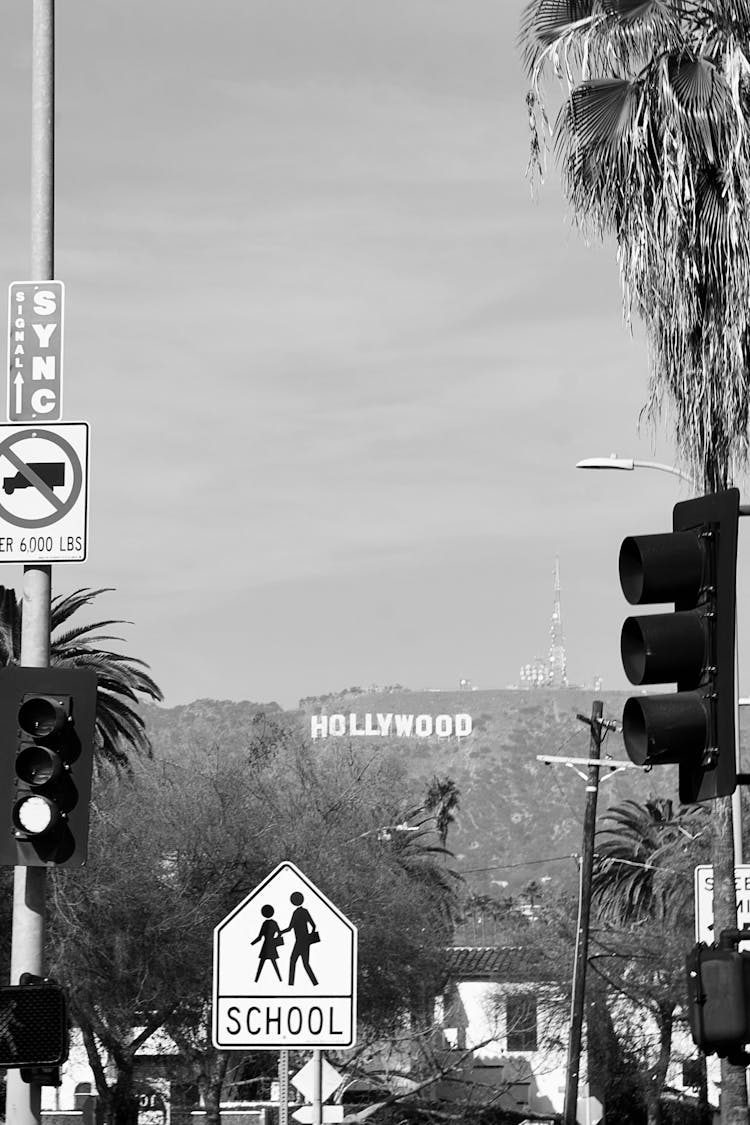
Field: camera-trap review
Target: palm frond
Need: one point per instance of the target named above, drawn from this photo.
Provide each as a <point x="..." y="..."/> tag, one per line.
<point x="653" y="140"/>
<point x="119" y="729"/>
<point x="605" y="147"/>
<point x="87" y="631"/>
<point x="699" y="102"/>
<point x="612" y="38"/>
<point x="122" y="680"/>
<point x="552" y="30"/>
<point x="65" y="605"/>
<point x="10" y="627"/>
<point x="635" y="853"/>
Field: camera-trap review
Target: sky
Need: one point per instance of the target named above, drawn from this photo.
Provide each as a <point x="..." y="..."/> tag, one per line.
<point x="337" y="361"/>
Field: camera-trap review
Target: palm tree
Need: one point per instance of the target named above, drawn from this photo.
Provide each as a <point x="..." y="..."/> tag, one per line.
<point x="442" y="800"/>
<point x="640" y="866"/>
<point x="121" y="679"/>
<point x="654" y="147"/>
<point x="643" y="869"/>
<point x="411" y="837"/>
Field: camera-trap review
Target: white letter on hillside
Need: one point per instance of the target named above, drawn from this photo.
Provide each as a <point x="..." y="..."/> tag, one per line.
<point x="463" y="725"/>
<point x="404" y="724"/>
<point x="318" y="726"/>
<point x="384" y="723"/>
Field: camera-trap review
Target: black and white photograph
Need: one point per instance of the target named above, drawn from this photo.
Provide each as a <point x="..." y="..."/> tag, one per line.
<point x="373" y="496"/>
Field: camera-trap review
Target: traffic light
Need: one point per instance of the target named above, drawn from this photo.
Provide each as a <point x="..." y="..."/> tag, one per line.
<point x="693" y="566"/>
<point x="33" y="1027"/>
<point x="718" y="983"/>
<point x="47" y="718"/>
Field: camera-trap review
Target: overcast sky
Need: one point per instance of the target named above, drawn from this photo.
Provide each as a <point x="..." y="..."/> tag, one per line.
<point x="337" y="363"/>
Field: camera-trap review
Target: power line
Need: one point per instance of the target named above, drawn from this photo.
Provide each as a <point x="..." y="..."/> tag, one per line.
<point x="509" y="866"/>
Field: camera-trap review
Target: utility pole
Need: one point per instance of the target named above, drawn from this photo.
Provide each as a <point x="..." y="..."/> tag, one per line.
<point x="586" y="869"/>
<point x="30" y="883"/>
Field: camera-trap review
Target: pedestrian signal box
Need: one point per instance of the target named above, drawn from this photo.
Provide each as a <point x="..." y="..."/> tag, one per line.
<point x="718" y="987"/>
<point x="33" y="1024"/>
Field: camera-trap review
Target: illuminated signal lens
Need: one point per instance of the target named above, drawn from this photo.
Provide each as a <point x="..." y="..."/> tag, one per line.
<point x="35" y="815"/>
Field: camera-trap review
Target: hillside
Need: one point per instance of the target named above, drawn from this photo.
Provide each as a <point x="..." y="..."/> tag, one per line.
<point x="519" y="819"/>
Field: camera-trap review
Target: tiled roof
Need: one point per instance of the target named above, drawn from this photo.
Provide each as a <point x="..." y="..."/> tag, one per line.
<point x="514" y="964"/>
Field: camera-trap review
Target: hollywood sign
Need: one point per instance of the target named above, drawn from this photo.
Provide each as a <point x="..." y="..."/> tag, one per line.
<point x="384" y="725"/>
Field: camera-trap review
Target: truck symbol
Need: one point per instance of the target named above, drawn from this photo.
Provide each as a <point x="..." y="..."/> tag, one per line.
<point x="51" y="472"/>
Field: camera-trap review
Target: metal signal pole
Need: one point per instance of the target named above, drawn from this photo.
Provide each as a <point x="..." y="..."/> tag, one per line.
<point x="30" y="883"/>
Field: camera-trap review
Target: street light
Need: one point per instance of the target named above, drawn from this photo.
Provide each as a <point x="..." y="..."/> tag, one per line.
<point x="628" y="464"/>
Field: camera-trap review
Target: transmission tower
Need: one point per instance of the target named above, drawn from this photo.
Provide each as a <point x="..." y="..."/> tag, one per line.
<point x="558" y="676"/>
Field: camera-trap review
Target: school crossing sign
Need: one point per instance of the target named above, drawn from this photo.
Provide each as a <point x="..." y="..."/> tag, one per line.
<point x="285" y="969"/>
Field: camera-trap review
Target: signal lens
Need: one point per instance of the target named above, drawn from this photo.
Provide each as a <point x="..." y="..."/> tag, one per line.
<point x="40" y="717"/>
<point x="35" y="815"/>
<point x="37" y="765"/>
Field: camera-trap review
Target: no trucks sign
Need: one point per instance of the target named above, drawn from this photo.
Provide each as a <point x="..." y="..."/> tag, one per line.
<point x="285" y="969"/>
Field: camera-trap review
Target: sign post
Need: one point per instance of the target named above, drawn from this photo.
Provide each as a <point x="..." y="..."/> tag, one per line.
<point x="316" y="1081"/>
<point x="23" y="1100"/>
<point x="285" y="969"/>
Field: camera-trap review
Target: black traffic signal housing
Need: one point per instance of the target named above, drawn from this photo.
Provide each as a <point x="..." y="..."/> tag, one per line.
<point x="718" y="994"/>
<point x="694" y="566"/>
<point x="34" y="1030"/>
<point x="47" y="720"/>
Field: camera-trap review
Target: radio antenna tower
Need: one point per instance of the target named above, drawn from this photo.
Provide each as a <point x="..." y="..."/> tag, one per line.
<point x="558" y="676"/>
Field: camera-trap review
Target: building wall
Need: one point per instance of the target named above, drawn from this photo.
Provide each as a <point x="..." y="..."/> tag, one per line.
<point x="475" y="1019"/>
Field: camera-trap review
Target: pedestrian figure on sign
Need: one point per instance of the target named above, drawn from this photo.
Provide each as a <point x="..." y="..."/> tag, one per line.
<point x="305" y="935"/>
<point x="270" y="934"/>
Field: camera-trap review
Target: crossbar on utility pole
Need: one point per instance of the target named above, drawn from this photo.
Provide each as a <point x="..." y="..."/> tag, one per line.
<point x="23" y="1099"/>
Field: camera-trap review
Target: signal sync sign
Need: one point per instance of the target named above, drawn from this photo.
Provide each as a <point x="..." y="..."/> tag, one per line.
<point x="35" y="351"/>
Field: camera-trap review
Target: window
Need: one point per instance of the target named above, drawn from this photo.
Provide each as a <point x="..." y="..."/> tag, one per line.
<point x="520" y="1022"/>
<point x="691" y="1074"/>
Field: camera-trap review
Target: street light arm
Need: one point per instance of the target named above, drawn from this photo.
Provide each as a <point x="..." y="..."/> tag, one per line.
<point x="630" y="463"/>
<point x="667" y="469"/>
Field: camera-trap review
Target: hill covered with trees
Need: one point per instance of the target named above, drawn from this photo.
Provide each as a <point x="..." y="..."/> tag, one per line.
<point x="518" y="821"/>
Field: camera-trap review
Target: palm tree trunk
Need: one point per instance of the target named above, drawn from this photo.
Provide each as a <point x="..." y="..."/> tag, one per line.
<point x="657" y="1074"/>
<point x="733" y="1101"/>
